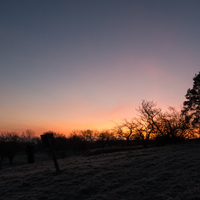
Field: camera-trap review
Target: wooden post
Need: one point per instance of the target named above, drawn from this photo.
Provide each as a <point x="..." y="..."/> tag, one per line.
<point x="30" y="153"/>
<point x="48" y="140"/>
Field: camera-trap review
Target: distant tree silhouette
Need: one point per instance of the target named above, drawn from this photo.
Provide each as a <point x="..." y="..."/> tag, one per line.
<point x="125" y="130"/>
<point x="142" y="133"/>
<point x="9" y="145"/>
<point x="28" y="135"/>
<point x="77" y="142"/>
<point x="28" y="138"/>
<point x="103" y="137"/>
<point x="173" y="127"/>
<point x="61" y="144"/>
<point x="171" y="123"/>
<point x="191" y="107"/>
<point x="148" y="122"/>
<point x="88" y="135"/>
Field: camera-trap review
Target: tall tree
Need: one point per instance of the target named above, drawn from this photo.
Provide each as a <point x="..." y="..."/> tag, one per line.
<point x="191" y="107"/>
<point x="150" y="116"/>
<point x="148" y="123"/>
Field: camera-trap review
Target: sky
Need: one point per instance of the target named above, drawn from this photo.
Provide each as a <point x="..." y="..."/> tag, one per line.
<point x="73" y="65"/>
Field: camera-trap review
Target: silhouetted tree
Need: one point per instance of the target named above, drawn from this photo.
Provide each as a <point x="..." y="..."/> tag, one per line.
<point x="142" y="132"/>
<point x="27" y="138"/>
<point x="125" y="130"/>
<point x="9" y="145"/>
<point x="103" y="137"/>
<point x="61" y="144"/>
<point x="173" y="126"/>
<point x="89" y="135"/>
<point x="77" y="142"/>
<point x="148" y="122"/>
<point x="28" y="135"/>
<point x="171" y="123"/>
<point x="191" y="107"/>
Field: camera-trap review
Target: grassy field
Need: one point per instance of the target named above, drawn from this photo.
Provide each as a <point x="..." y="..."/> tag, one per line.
<point x="170" y="172"/>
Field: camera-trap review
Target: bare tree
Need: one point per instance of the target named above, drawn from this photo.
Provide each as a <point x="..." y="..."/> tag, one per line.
<point x="174" y="126"/>
<point x="88" y="134"/>
<point x="142" y="132"/>
<point x="9" y="145"/>
<point x="28" y="135"/>
<point x="104" y="137"/>
<point x="125" y="130"/>
<point x="77" y="142"/>
<point x="148" y="123"/>
<point x="29" y="141"/>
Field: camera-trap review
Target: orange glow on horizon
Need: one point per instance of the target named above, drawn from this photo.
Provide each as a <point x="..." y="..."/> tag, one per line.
<point x="104" y="120"/>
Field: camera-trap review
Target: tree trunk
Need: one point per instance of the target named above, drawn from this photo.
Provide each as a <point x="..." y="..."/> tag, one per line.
<point x="127" y="141"/>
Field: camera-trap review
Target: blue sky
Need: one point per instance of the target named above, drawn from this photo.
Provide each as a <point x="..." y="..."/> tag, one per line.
<point x="68" y="65"/>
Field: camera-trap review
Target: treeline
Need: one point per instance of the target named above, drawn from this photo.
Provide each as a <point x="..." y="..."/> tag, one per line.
<point x="12" y="142"/>
<point x="152" y="126"/>
<point x="169" y="127"/>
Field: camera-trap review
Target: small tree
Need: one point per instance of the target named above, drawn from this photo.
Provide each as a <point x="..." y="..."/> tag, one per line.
<point x="125" y="130"/>
<point x="89" y="135"/>
<point x="9" y="145"/>
<point x="191" y="107"/>
<point x="142" y="132"/>
<point x="173" y="126"/>
<point x="28" y="135"/>
<point x="103" y="137"/>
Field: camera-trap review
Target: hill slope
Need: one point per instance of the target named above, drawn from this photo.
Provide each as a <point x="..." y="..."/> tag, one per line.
<point x="170" y="172"/>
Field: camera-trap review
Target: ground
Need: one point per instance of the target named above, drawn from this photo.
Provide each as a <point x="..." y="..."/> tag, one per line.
<point x="170" y="172"/>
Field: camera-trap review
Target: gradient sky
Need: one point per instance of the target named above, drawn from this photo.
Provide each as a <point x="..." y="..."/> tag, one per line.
<point x="80" y="64"/>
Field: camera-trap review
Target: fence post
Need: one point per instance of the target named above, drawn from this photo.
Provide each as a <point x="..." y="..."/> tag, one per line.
<point x="30" y="153"/>
<point x="48" y="140"/>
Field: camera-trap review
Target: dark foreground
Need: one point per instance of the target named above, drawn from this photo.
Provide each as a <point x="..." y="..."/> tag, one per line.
<point x="171" y="172"/>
